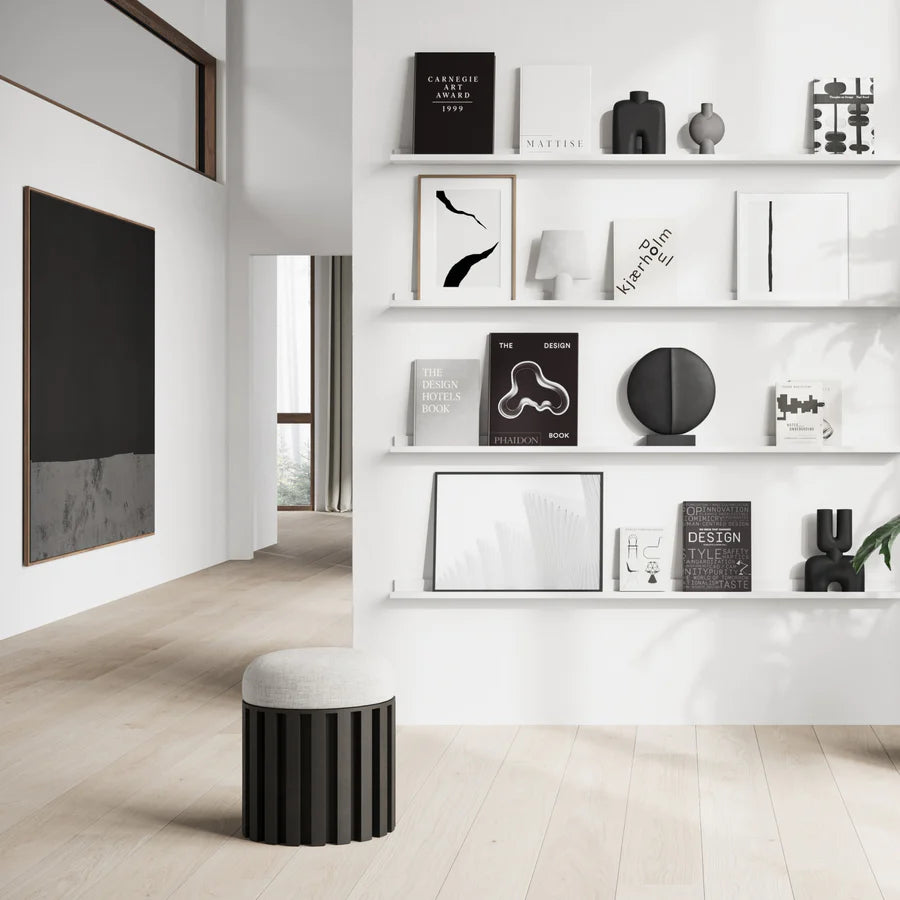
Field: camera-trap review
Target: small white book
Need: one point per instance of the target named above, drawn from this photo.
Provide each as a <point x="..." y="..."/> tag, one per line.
<point x="832" y="412"/>
<point x="798" y="414"/>
<point x="446" y="401"/>
<point x="645" y="259"/>
<point x="642" y="559"/>
<point x="555" y="109"/>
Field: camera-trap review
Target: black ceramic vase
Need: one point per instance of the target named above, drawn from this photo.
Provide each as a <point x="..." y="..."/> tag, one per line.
<point x="639" y="125"/>
<point x="833" y="567"/>
<point x="671" y="390"/>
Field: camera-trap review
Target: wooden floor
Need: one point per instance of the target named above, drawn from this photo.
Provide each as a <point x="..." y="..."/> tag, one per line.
<point x="120" y="759"/>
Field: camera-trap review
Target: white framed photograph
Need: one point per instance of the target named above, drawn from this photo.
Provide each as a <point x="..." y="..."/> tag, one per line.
<point x="467" y="239"/>
<point x="518" y="531"/>
<point x="793" y="247"/>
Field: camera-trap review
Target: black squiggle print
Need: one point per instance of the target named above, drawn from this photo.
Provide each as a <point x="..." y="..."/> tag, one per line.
<point x="442" y="196"/>
<point x="460" y="269"/>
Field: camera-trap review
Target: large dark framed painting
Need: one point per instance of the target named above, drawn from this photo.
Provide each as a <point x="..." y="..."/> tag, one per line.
<point x="89" y="378"/>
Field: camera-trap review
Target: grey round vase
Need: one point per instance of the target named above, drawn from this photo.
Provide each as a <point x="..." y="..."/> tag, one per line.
<point x="707" y="128"/>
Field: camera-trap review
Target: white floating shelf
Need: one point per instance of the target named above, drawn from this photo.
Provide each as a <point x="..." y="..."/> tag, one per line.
<point x="607" y="304"/>
<point x="400" y="444"/>
<point x="630" y="597"/>
<point x="510" y="158"/>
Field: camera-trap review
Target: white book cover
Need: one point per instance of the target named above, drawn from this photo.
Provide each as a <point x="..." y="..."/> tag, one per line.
<point x="832" y="412"/>
<point x="645" y="259"/>
<point x="446" y="401"/>
<point x="555" y="109"/>
<point x="643" y="558"/>
<point x="798" y="414"/>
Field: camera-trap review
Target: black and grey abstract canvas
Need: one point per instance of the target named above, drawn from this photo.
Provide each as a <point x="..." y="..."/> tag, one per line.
<point x="89" y="379"/>
<point x="518" y="531"/>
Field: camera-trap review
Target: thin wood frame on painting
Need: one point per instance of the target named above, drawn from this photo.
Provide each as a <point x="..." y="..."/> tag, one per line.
<point x="437" y="282"/>
<point x="69" y="378"/>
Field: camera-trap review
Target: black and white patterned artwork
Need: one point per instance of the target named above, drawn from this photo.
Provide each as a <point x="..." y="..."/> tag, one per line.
<point x="842" y="116"/>
<point x="793" y="247"/>
<point x="518" y="531"/>
<point x="466" y="235"/>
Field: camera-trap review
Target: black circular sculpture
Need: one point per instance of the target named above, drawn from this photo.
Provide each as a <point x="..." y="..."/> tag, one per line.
<point x="671" y="390"/>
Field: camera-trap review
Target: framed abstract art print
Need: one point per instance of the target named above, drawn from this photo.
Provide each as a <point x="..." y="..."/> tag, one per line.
<point x="467" y="238"/>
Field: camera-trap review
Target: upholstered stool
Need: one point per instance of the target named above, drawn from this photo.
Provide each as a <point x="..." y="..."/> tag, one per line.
<point x="318" y="747"/>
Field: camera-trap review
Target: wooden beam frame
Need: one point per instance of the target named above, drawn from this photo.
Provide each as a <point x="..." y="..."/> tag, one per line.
<point x="205" y="100"/>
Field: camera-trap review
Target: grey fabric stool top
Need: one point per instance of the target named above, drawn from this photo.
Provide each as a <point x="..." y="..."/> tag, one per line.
<point x="318" y="747"/>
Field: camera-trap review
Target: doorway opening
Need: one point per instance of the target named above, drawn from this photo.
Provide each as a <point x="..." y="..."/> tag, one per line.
<point x="295" y="365"/>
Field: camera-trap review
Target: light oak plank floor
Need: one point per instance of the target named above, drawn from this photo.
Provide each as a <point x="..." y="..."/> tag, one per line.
<point x="120" y="773"/>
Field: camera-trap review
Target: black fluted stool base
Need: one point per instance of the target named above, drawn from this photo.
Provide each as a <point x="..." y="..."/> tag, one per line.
<point x="321" y="776"/>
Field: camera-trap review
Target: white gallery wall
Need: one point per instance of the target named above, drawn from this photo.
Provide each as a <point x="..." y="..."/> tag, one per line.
<point x="289" y="182"/>
<point x="60" y="153"/>
<point x="790" y="659"/>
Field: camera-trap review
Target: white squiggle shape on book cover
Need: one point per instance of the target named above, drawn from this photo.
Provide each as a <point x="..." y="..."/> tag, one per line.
<point x="512" y="411"/>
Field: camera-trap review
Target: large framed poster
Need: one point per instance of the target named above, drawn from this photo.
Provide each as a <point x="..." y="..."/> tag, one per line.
<point x="518" y="531"/>
<point x="89" y="351"/>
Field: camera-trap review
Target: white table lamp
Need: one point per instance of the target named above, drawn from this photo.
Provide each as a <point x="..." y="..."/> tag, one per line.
<point x="563" y="257"/>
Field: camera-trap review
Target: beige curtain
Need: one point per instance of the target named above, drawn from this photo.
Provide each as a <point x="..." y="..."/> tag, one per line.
<point x="338" y="394"/>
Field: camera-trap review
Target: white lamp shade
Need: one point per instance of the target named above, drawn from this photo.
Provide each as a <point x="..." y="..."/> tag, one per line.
<point x="563" y="253"/>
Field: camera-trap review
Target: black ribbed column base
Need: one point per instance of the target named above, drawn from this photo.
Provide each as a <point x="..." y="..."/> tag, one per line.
<point x="322" y="776"/>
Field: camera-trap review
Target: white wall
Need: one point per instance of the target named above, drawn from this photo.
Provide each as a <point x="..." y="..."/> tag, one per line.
<point x="57" y="152"/>
<point x="733" y="660"/>
<point x="289" y="92"/>
<point x="92" y="58"/>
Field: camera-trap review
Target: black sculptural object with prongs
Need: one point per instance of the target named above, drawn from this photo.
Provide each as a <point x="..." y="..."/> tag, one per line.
<point x="833" y="567"/>
<point x="639" y="124"/>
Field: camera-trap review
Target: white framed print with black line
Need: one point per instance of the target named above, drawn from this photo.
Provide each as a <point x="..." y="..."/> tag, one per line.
<point x="518" y="531"/>
<point x="466" y="240"/>
<point x="793" y="247"/>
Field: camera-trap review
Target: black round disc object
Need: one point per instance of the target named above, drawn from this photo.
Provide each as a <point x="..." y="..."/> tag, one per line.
<point x="671" y="390"/>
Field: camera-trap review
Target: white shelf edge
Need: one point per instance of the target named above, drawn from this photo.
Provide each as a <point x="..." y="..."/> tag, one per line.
<point x="401" y="157"/>
<point x="400" y="444"/>
<point x="606" y="303"/>
<point x="786" y="594"/>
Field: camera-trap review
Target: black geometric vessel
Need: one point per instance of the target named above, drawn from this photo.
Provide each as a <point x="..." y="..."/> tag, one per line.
<point x="833" y="567"/>
<point x="639" y="125"/>
<point x="323" y="776"/>
<point x="671" y="390"/>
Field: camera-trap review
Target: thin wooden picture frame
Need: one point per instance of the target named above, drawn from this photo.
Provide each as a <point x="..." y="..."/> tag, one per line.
<point x="428" y="290"/>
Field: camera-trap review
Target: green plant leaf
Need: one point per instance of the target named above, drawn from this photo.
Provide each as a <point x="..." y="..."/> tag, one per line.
<point x="881" y="540"/>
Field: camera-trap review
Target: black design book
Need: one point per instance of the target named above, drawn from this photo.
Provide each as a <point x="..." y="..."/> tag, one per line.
<point x="454" y="103"/>
<point x="533" y="390"/>
<point x="716" y="551"/>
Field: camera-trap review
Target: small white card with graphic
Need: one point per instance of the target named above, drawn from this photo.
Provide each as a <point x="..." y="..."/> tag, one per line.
<point x="798" y="414"/>
<point x="645" y="260"/>
<point x="643" y="559"/>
